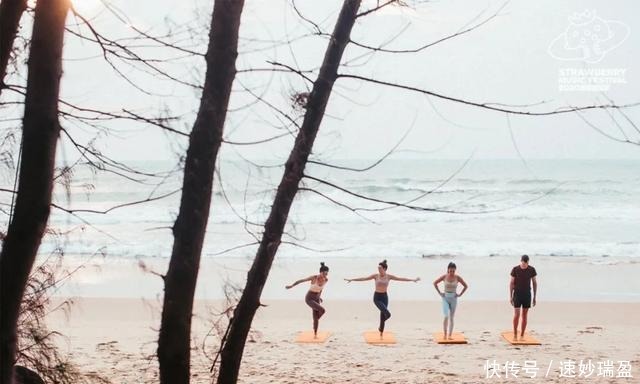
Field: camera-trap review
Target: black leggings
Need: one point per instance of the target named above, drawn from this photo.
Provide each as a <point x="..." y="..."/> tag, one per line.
<point x="313" y="300"/>
<point x="381" y="300"/>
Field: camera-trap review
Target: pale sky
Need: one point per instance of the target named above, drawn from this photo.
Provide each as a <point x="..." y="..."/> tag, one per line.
<point x="507" y="60"/>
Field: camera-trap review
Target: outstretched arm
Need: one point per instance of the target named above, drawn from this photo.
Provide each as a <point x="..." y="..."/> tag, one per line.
<point x="361" y="278"/>
<point x="300" y="281"/>
<point x="464" y="286"/>
<point x="392" y="277"/>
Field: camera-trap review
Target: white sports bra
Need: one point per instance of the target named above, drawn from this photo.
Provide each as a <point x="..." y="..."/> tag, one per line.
<point x="315" y="287"/>
<point x="450" y="286"/>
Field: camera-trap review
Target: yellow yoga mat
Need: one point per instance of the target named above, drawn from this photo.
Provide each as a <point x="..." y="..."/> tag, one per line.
<point x="309" y="337"/>
<point x="527" y="340"/>
<point x="373" y="337"/>
<point x="458" y="338"/>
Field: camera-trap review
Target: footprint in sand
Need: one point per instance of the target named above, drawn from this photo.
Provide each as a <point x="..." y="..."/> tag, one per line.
<point x="107" y="346"/>
<point x="592" y="329"/>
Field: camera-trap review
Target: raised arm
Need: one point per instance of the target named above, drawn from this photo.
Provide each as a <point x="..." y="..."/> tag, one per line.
<point x="392" y="277"/>
<point x="361" y="278"/>
<point x="300" y="281"/>
<point x="535" y="289"/>
<point x="464" y="286"/>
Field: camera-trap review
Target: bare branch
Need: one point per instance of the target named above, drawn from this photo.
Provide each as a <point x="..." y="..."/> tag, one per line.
<point x="104" y="212"/>
<point x="314" y="249"/>
<point x="497" y="107"/>
<point x="376" y="163"/>
<point x="378" y="7"/>
<point x="603" y="133"/>
<point x="336" y="202"/>
<point x="315" y="26"/>
<point x="429" y="45"/>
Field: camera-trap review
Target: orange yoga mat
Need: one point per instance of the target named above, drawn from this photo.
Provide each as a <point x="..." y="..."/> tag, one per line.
<point x="309" y="337"/>
<point x="527" y="340"/>
<point x="458" y="338"/>
<point x="373" y="337"/>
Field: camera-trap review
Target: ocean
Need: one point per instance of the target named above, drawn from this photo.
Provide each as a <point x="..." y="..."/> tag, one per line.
<point x="476" y="208"/>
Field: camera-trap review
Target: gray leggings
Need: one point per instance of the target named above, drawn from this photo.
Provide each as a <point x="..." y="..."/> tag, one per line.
<point x="449" y="303"/>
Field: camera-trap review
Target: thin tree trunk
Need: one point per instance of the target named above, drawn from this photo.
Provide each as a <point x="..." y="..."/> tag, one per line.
<point x="40" y="135"/>
<point x="174" y="342"/>
<point x="231" y="355"/>
<point x="10" y="13"/>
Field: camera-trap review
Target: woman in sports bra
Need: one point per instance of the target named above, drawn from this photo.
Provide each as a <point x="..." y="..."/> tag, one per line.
<point x="449" y="296"/>
<point x="380" y="297"/>
<point x="313" y="295"/>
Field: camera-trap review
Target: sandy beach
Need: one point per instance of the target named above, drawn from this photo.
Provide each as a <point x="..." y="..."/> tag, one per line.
<point x="489" y="146"/>
<point x="114" y="336"/>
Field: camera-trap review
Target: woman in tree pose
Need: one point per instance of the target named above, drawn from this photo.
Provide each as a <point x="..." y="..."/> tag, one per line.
<point x="380" y="297"/>
<point x="450" y="296"/>
<point x="313" y="295"/>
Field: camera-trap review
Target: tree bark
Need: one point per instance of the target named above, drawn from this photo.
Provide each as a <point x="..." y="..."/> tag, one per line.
<point x="10" y="13"/>
<point x="231" y="354"/>
<point x="40" y="135"/>
<point x="189" y="229"/>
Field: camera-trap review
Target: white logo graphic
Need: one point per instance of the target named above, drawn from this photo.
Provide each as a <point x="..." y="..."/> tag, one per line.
<point x="588" y="38"/>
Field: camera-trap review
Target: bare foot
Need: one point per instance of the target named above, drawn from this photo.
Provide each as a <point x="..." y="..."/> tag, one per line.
<point x="449" y="338"/>
<point x="515" y="336"/>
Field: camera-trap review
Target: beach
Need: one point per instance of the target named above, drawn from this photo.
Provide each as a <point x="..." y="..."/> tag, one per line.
<point x="457" y="142"/>
<point x="115" y="336"/>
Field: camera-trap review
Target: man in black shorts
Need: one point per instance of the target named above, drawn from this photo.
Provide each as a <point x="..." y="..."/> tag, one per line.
<point x="520" y="293"/>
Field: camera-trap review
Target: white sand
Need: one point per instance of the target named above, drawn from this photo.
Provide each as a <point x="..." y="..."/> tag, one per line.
<point x="585" y="311"/>
<point x="114" y="336"/>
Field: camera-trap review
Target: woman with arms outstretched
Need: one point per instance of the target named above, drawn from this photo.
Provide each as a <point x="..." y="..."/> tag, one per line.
<point x="450" y="297"/>
<point x="380" y="297"/>
<point x="313" y="295"/>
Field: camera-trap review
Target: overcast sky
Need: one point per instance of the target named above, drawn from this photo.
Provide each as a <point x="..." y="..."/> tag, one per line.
<point x="507" y="60"/>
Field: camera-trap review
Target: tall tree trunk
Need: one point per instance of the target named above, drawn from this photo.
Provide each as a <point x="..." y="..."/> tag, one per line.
<point x="10" y="13"/>
<point x="189" y="229"/>
<point x="231" y="355"/>
<point x="40" y="135"/>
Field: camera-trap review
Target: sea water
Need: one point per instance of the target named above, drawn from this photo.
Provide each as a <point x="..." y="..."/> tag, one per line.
<point x="399" y="208"/>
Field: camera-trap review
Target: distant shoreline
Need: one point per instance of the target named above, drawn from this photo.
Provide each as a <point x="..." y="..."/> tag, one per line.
<point x="561" y="279"/>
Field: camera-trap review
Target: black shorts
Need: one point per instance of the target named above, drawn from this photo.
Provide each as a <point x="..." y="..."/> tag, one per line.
<point x="522" y="299"/>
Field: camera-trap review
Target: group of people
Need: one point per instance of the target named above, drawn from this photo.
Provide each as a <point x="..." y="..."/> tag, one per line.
<point x="522" y="277"/>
